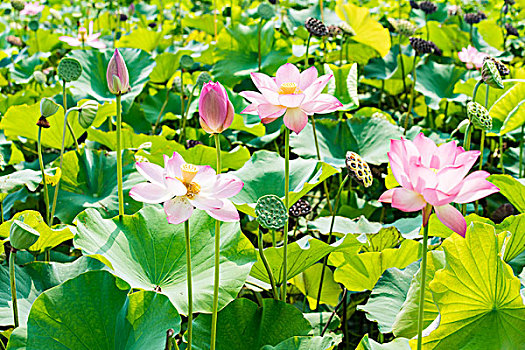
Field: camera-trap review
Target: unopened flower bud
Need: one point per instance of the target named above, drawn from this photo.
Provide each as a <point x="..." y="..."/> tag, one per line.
<point x="48" y="107"/>
<point x="479" y="116"/>
<point x="87" y="113"/>
<point x="215" y="109"/>
<point x="117" y="75"/>
<point x="358" y="168"/>
<point x="15" y="41"/>
<point x="490" y="75"/>
<point x="22" y="236"/>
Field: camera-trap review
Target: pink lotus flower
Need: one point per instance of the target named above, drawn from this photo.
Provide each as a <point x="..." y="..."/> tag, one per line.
<point x="215" y="109"/>
<point x="117" y="74"/>
<point x="292" y="94"/>
<point x="472" y="57"/>
<point x="183" y="187"/>
<point x="32" y="9"/>
<point x="84" y="37"/>
<point x="437" y="176"/>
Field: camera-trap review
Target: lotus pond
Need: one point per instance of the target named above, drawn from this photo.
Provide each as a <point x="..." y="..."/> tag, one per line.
<point x="262" y="175"/>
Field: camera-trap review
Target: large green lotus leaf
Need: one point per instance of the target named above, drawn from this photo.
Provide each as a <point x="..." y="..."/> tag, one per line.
<point x="92" y="83"/>
<point x="359" y="272"/>
<point x="153" y="148"/>
<point x="369" y="137"/>
<point x="404" y="323"/>
<point x="509" y="109"/>
<point x="510" y="188"/>
<point x="305" y="174"/>
<point x="89" y="181"/>
<point x="467" y="88"/>
<point x="167" y="64"/>
<point x="23" y="68"/>
<point x="141" y="38"/>
<point x="368" y="31"/>
<point x="389" y="67"/>
<point x="147" y="252"/>
<point x="515" y="244"/>
<point x="23" y="178"/>
<point x="301" y="255"/>
<point x="477" y="295"/>
<point x="242" y="325"/>
<point x="34" y="278"/>
<point x="344" y="84"/>
<point x="436" y="82"/>
<point x="49" y="237"/>
<point x="388" y="296"/>
<point x="369" y="344"/>
<point x="327" y="342"/>
<point x="43" y="41"/>
<point x="308" y="283"/>
<point x="95" y="311"/>
<point x="441" y="35"/>
<point x="344" y="225"/>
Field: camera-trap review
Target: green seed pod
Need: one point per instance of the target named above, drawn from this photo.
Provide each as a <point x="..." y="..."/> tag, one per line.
<point x="48" y="107"/>
<point x="33" y="25"/>
<point x="203" y="78"/>
<point x="87" y="113"/>
<point x="358" y="168"/>
<point x="271" y="212"/>
<point x="403" y="27"/>
<point x="22" y="236"/>
<point x="69" y="69"/>
<point x="186" y="62"/>
<point x="18" y="5"/>
<point x="490" y="75"/>
<point x="266" y="11"/>
<point x="479" y="116"/>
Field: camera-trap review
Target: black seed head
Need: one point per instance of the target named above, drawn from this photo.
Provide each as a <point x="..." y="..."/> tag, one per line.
<point x="428" y="7"/>
<point x="192" y="143"/>
<point x="300" y="208"/>
<point x="422" y="46"/>
<point x="315" y="27"/>
<point x="511" y="30"/>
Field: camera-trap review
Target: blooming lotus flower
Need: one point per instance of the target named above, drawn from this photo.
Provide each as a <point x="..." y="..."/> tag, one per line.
<point x="215" y="109"/>
<point x="84" y="38"/>
<point x="183" y="187"/>
<point x="32" y="9"/>
<point x="117" y="74"/>
<point x="292" y="94"/>
<point x="471" y="57"/>
<point x="437" y="176"/>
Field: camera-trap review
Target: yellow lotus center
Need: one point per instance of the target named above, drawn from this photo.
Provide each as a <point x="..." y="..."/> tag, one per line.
<point x="289" y="89"/>
<point x="188" y="172"/>
<point x="82" y="33"/>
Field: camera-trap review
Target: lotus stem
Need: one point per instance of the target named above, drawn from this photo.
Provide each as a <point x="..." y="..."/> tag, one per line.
<point x="426" y="27"/>
<point x="64" y="104"/>
<point x="325" y="185"/>
<point x="119" y="159"/>
<point x="412" y="95"/>
<point x="217" y="257"/>
<point x="287" y="206"/>
<point x="341" y="302"/>
<point x="182" y="123"/>
<point x="329" y="241"/>
<point x="307" y="48"/>
<point x="267" y="266"/>
<point x="161" y="111"/>
<point x="12" y="280"/>
<point x="259" y="30"/>
<point x="189" y="282"/>
<point x="501" y="154"/>
<point x="41" y="162"/>
<point x="215" y="33"/>
<point x="521" y="152"/>
<point x="423" y="268"/>
<point x="182" y="136"/>
<point x="466" y="146"/>
<point x="402" y="63"/>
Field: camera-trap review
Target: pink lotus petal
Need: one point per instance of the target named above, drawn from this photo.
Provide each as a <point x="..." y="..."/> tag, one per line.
<point x="288" y="73"/>
<point x="254" y="97"/>
<point x="251" y="109"/>
<point x="206" y="176"/>
<point x="227" y="213"/>
<point x="174" y="187"/>
<point x="386" y="197"/>
<point x="97" y="44"/>
<point x="451" y="218"/>
<point x="426" y="148"/>
<point x="271" y="96"/>
<point x="151" y="172"/>
<point x="317" y="87"/>
<point x="295" y="119"/>
<point x="262" y="81"/>
<point x="474" y="187"/>
<point x="444" y="155"/>
<point x="449" y="177"/>
<point x="291" y="100"/>
<point x="227" y="185"/>
<point x="467" y="159"/>
<point x="206" y="203"/>
<point x="178" y="210"/>
<point x="70" y="41"/>
<point x="324" y="103"/>
<point x="436" y="197"/>
<point x="149" y="193"/>
<point x="307" y="78"/>
<point x="407" y="200"/>
<point x="269" y="111"/>
<point x="172" y="165"/>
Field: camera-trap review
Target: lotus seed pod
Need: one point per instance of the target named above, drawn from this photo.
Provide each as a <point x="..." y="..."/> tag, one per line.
<point x="403" y="27"/>
<point x="69" y="69"/>
<point x="22" y="236"/>
<point x="203" y="78"/>
<point x="334" y="31"/>
<point x="421" y="46"/>
<point x="502" y="68"/>
<point x="472" y="18"/>
<point x="33" y="25"/>
<point x="414" y="4"/>
<point x="43" y="123"/>
<point x="347" y="29"/>
<point x="48" y="107"/>
<point x="186" y="62"/>
<point x="428" y="7"/>
<point x="358" y="168"/>
<point x="87" y="113"/>
<point x="271" y="212"/>
<point x="266" y="11"/>
<point x="192" y="143"/>
<point x="315" y="27"/>
<point x="18" y="5"/>
<point x="490" y="75"/>
<point x="479" y="116"/>
<point x="40" y="77"/>
<point x="300" y="208"/>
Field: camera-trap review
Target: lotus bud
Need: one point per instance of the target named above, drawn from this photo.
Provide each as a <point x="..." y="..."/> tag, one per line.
<point x="203" y="78"/>
<point x="215" y="109"/>
<point x="479" y="116"/>
<point x="48" y="107"/>
<point x="186" y="62"/>
<point x="117" y="75"/>
<point x="266" y="11"/>
<point x="359" y="169"/>
<point x="69" y="69"/>
<point x="490" y="75"/>
<point x="22" y="236"/>
<point x="87" y="113"/>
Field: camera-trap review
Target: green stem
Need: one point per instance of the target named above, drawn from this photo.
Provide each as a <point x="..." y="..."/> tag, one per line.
<point x="182" y="136"/>
<point x="307" y="48"/>
<point x="421" y="306"/>
<point x="188" y="281"/>
<point x="267" y="266"/>
<point x="119" y="160"/>
<point x="501" y="154"/>
<point x="41" y="162"/>
<point x="329" y="241"/>
<point x="426" y="26"/>
<point x="325" y="185"/>
<point x="217" y="255"/>
<point x="521" y="150"/>
<point x="64" y="104"/>
<point x="12" y="280"/>
<point x="2" y="212"/>
<point x="412" y="95"/>
<point x="471" y="41"/>
<point x="161" y="111"/>
<point x="402" y="63"/>
<point x="287" y="206"/>
<point x="274" y="241"/>
<point x="466" y="146"/>
<point x="70" y="128"/>
<point x="259" y="29"/>
<point x="475" y="91"/>
<point x="182" y="109"/>
<point x="341" y="43"/>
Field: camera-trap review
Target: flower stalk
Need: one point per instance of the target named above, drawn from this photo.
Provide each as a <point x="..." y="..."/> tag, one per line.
<point x="12" y="280"/>
<point x="189" y="282"/>
<point x="421" y="306"/>
<point x="412" y="95"/>
<point x="287" y="206"/>
<point x="119" y="158"/>
<point x="267" y="266"/>
<point x="41" y="163"/>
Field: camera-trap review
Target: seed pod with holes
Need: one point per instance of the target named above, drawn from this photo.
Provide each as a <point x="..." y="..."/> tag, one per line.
<point x="347" y="29"/>
<point x="479" y="116"/>
<point x="490" y="75"/>
<point x="186" y="62"/>
<point x="18" y="5"/>
<point x="511" y="30"/>
<point x="300" y="208"/>
<point x="315" y="27"/>
<point x="271" y="212"/>
<point x="203" y="78"/>
<point x="358" y="168"/>
<point x="192" y="143"/>
<point x="472" y="18"/>
<point x="69" y="69"/>
<point x="502" y="68"/>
